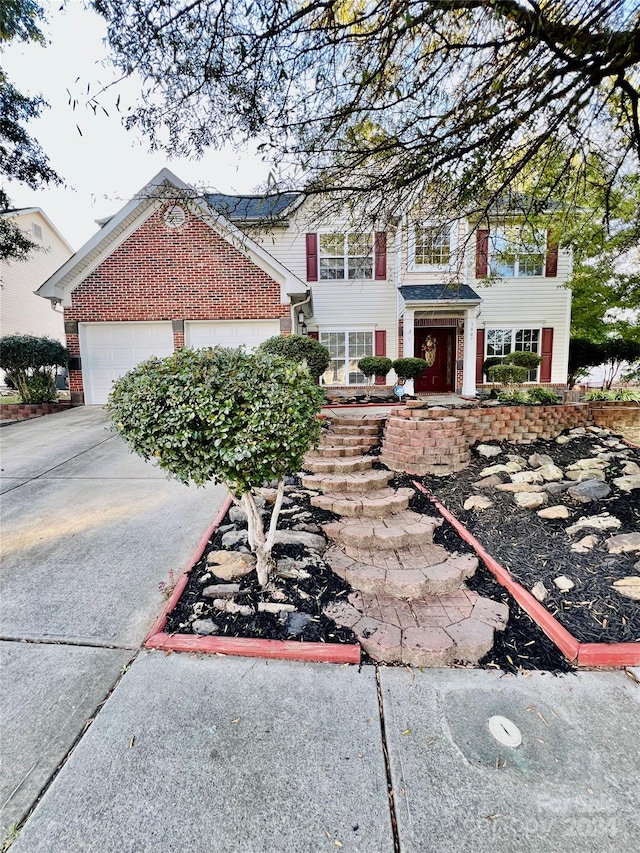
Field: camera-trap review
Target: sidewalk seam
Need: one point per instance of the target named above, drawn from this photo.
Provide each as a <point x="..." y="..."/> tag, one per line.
<point x="387" y="766"/>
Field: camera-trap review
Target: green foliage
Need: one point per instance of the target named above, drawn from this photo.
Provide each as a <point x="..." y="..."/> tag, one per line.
<point x="30" y="364"/>
<point x="513" y="396"/>
<point x="302" y="350"/>
<point x="375" y="365"/>
<point x="508" y="374"/>
<point x="543" y="396"/>
<point x="492" y="361"/>
<point x="618" y="352"/>
<point x="219" y="414"/>
<point x="583" y="354"/>
<point x="523" y="358"/>
<point x="622" y="395"/>
<point x="409" y="368"/>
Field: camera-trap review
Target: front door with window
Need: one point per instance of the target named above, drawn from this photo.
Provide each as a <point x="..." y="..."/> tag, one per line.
<point x="438" y="347"/>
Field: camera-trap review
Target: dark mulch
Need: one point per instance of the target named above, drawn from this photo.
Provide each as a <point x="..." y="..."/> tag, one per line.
<point x="535" y="549"/>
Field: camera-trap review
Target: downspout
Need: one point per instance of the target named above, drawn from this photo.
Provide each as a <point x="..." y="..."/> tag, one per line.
<point x="296" y="307"/>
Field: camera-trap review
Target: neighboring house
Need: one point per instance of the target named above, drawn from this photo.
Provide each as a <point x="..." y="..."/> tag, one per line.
<point x="170" y="270"/>
<point x="22" y="311"/>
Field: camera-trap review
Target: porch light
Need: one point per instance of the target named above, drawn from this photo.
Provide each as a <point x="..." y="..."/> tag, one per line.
<point x="301" y="317"/>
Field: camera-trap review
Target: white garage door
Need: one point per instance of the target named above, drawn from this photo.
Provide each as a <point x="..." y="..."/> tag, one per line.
<point x="109" y="350"/>
<point x="230" y="333"/>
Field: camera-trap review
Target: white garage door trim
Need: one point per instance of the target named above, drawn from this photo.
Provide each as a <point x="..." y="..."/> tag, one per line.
<point x="229" y="333"/>
<point x="109" y="350"/>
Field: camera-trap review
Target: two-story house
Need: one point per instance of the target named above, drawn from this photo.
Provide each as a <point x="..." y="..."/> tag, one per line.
<point x="173" y="269"/>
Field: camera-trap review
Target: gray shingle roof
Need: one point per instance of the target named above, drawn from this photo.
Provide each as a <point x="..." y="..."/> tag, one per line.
<point x="245" y="208"/>
<point x="439" y="292"/>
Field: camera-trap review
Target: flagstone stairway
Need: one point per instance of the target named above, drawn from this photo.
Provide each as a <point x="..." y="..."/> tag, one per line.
<point x="409" y="603"/>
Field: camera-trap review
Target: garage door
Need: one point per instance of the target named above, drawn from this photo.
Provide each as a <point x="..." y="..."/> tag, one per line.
<point x="109" y="350"/>
<point x="231" y="333"/>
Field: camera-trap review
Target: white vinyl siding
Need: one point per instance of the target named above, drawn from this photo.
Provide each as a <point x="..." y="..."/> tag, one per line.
<point x="109" y="350"/>
<point x="229" y="333"/>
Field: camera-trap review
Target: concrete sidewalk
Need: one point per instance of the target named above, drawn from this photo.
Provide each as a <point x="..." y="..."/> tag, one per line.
<point x="89" y="531"/>
<point x="211" y="753"/>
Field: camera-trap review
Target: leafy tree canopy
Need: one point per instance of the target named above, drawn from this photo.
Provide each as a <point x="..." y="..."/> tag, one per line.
<point x="21" y="157"/>
<point x="386" y="100"/>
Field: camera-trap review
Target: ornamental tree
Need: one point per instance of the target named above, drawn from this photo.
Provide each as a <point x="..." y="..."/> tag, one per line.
<point x="302" y="350"/>
<point x="30" y="364"/>
<point x="374" y="365"/>
<point x="409" y="368"/>
<point x="226" y="416"/>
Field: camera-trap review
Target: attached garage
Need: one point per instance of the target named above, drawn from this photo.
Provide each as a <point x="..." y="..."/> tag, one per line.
<point x="109" y="350"/>
<point x="229" y="333"/>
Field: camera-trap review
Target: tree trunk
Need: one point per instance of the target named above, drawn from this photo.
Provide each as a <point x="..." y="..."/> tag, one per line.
<point x="260" y="543"/>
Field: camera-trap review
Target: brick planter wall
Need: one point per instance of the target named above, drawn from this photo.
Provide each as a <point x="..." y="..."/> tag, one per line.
<point x="24" y="411"/>
<point x="425" y="446"/>
<point x="618" y="417"/>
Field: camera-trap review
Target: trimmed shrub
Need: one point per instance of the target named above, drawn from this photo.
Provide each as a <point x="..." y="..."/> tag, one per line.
<point x="302" y="350"/>
<point x="508" y="374"/>
<point x="492" y="361"/>
<point x="523" y="358"/>
<point x="409" y="368"/>
<point x="374" y="365"/>
<point x="30" y="364"/>
<point x="542" y="396"/>
<point x="513" y="397"/>
<point x="222" y="415"/>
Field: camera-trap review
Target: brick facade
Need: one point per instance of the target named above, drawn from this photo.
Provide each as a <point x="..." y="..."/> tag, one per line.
<point x="164" y="273"/>
<point x="25" y="411"/>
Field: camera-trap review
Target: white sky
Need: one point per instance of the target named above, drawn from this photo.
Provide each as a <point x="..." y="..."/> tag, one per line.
<point x="106" y="165"/>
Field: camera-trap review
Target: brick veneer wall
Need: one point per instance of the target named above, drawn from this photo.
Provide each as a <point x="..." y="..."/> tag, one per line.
<point x="24" y="411"/>
<point x="162" y="273"/>
<point x="618" y="418"/>
<point x="436" y="446"/>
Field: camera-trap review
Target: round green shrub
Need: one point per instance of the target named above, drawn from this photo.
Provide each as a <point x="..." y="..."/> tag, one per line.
<point x="219" y="414"/>
<point x="301" y="349"/>
<point x="524" y="358"/>
<point x="375" y="365"/>
<point x="30" y="363"/>
<point x="492" y="361"/>
<point x="513" y="397"/>
<point x="508" y="374"/>
<point x="409" y="368"/>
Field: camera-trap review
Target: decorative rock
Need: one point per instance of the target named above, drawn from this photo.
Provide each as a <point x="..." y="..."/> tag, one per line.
<point x="628" y="483"/>
<point x="539" y="591"/>
<point x="494" y="469"/>
<point x="230" y="565"/>
<point x="585" y="464"/>
<point x="299" y="537"/>
<point x="307" y="528"/>
<point x="630" y="468"/>
<point x="488" y="482"/>
<point x="234" y="538"/>
<point x="539" y="460"/>
<point x="636" y="566"/>
<point x="586" y="544"/>
<point x="226" y="606"/>
<point x="513" y="457"/>
<point x="557" y="488"/>
<point x="222" y="590"/>
<point x="604" y="521"/>
<point x="578" y="431"/>
<point x="563" y="439"/>
<point x="530" y="500"/>
<point x="559" y="511"/>
<point x="204" y="627"/>
<point x="514" y="467"/>
<point x="629" y="587"/>
<point x="289" y="569"/>
<point x="477" y="502"/>
<point x="275" y="607"/>
<point x="589" y="491"/>
<point x="489" y="450"/>
<point x="519" y="487"/>
<point x="581" y="474"/>
<point x="296" y="623"/>
<point x="532" y="477"/>
<point x="623" y="543"/>
<point x="551" y="473"/>
<point x="564" y="583"/>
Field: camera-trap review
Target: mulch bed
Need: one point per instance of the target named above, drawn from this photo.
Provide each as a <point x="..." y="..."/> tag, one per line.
<point x="531" y="548"/>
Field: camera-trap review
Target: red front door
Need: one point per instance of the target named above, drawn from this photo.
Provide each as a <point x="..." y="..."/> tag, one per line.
<point x="437" y="346"/>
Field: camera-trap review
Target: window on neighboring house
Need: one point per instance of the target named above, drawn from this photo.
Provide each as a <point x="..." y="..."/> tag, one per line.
<point x="432" y="244"/>
<point x="345" y="349"/>
<point x="513" y="253"/>
<point x="346" y="256"/>
<point x="501" y="342"/>
<point x="37" y="231"/>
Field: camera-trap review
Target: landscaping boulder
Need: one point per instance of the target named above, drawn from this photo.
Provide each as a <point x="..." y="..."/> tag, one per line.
<point x="588" y="491"/>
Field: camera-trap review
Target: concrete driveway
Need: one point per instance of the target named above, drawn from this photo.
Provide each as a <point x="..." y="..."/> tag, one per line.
<point x="89" y="531"/>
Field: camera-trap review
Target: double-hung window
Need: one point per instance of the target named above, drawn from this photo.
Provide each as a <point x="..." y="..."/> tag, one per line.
<point x="345" y="349"/>
<point x="501" y="342"/>
<point x="431" y="244"/>
<point x="514" y="253"/>
<point x="346" y="256"/>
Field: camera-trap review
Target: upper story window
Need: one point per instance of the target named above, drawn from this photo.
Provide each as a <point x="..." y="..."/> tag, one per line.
<point x="432" y="244"/>
<point x="346" y="256"/>
<point x="513" y="254"/>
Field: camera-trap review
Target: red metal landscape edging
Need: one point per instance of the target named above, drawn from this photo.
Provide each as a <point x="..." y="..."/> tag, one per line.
<point x="582" y="654"/>
<point x="242" y="646"/>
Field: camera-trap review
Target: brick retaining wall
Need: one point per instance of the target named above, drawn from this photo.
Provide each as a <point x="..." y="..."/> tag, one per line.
<point x="23" y="411"/>
<point x="618" y="417"/>
<point x="434" y="446"/>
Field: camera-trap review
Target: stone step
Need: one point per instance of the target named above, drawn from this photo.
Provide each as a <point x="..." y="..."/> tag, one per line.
<point x="319" y="465"/>
<point x="389" y="533"/>
<point x="356" y="429"/>
<point x="359" y="481"/>
<point x="357" y="504"/>
<point x="373" y="420"/>
<point x="350" y="440"/>
<point x="328" y="451"/>
<point x="413" y="572"/>
<point x="432" y="632"/>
